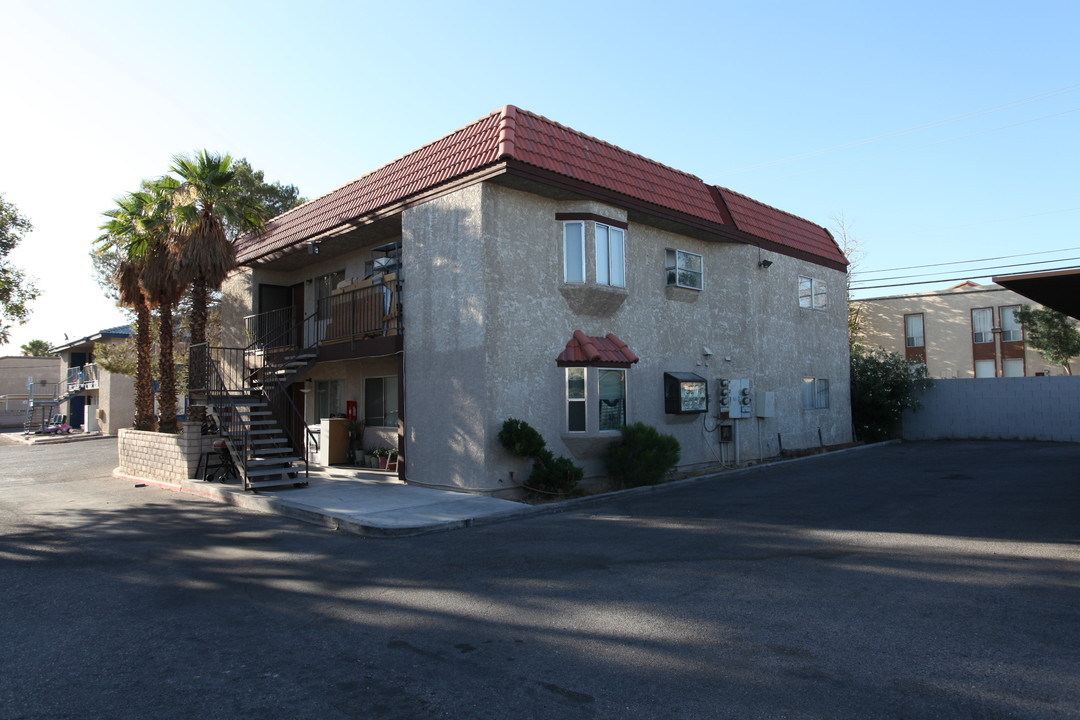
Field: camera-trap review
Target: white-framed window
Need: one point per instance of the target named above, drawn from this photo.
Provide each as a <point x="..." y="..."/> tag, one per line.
<point x="985" y="369"/>
<point x="982" y="325"/>
<point x="381" y="401"/>
<point x="913" y="330"/>
<point x="329" y="398"/>
<point x="574" y="252"/>
<point x="576" y="408"/>
<point x="612" y="397"/>
<point x="683" y="269"/>
<point x="1012" y="367"/>
<point x="595" y="399"/>
<point x="813" y="293"/>
<point x="1011" y="330"/>
<point x="815" y="394"/>
<point x="610" y="257"/>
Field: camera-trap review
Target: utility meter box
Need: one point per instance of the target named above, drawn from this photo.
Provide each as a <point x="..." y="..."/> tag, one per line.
<point x="742" y="403"/>
<point x="734" y="397"/>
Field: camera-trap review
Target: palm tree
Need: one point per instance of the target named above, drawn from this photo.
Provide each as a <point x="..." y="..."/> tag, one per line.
<point x="209" y="202"/>
<point x="158" y="281"/>
<point x="140" y="227"/>
<point x="133" y="296"/>
<point x="125" y="233"/>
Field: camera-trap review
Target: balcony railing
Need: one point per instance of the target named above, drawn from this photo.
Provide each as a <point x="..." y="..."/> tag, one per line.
<point x="369" y="311"/>
<point x="84" y="377"/>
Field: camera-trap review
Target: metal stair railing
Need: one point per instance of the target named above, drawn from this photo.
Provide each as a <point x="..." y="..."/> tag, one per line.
<point x="231" y="379"/>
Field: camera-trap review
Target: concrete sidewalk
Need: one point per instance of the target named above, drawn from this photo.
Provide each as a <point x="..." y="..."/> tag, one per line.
<point x="360" y="502"/>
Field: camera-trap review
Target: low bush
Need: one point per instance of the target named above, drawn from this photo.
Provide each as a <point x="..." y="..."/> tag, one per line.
<point x="644" y="456"/>
<point x="550" y="475"/>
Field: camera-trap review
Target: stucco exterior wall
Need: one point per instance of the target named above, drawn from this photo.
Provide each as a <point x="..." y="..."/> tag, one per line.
<point x="116" y="396"/>
<point x="1015" y="408"/>
<point x="237" y="302"/>
<point x="15" y="370"/>
<point x="947" y="327"/>
<point x="487" y="314"/>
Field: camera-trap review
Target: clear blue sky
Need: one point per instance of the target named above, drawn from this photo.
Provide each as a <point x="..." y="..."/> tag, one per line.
<point x="940" y="131"/>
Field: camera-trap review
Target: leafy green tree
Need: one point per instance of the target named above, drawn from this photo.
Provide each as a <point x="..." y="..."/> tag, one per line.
<point x="37" y="348"/>
<point x="273" y="197"/>
<point x="883" y="385"/>
<point x="16" y="290"/>
<point x="1052" y="334"/>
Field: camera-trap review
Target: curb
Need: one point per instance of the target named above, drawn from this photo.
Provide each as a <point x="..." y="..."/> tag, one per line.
<point x="317" y="516"/>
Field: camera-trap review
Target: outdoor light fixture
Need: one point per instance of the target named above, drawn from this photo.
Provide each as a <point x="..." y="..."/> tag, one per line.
<point x="313" y="247"/>
<point x="764" y="264"/>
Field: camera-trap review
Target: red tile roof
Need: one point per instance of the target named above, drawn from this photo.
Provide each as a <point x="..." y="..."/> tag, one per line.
<point x="516" y="141"/>
<point x="587" y="350"/>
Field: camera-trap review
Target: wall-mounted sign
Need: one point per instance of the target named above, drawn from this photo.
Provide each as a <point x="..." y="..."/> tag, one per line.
<point x="685" y="393"/>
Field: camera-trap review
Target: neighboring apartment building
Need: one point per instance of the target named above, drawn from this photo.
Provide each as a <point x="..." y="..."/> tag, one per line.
<point x="24" y="378"/>
<point x="517" y="268"/>
<point x="93" y="398"/>
<point x="967" y="330"/>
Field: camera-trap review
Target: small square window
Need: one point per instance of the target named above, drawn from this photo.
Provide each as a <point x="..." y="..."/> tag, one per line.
<point x="684" y="269"/>
<point x="813" y="293"/>
<point x="815" y="394"/>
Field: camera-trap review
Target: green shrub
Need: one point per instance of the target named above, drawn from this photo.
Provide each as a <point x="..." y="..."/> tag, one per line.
<point x="555" y="474"/>
<point x="883" y="385"/>
<point x="644" y="456"/>
<point x="550" y="475"/>
<point x="522" y="439"/>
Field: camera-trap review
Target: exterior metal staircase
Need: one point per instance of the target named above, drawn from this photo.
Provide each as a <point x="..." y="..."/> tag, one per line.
<point x="255" y="418"/>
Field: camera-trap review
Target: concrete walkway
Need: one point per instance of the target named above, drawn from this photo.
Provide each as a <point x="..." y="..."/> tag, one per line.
<point x="361" y="502"/>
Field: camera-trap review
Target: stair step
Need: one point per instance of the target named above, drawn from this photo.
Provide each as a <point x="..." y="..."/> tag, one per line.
<point x="274" y="470"/>
<point x="264" y="423"/>
<point x="278" y="482"/>
<point x="267" y="431"/>
<point x="269" y="441"/>
<point x="277" y="461"/>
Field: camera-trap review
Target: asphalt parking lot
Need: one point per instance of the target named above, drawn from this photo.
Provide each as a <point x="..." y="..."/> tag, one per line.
<point x="924" y="580"/>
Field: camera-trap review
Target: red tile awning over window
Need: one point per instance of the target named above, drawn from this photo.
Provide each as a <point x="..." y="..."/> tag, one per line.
<point x="608" y="351"/>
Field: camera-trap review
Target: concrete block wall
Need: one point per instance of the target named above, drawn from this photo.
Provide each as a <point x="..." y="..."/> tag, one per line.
<point x="159" y="456"/>
<point x="1019" y="408"/>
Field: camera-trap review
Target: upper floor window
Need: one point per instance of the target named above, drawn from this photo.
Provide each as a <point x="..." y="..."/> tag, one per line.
<point x="610" y="259"/>
<point x="683" y="269"/>
<point x="813" y="293"/>
<point x="982" y="325"/>
<point x="1011" y="330"/>
<point x="574" y="252"/>
<point x="608" y="256"/>
<point x="913" y="330"/>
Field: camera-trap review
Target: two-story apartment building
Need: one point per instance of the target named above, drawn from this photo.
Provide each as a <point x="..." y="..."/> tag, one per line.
<point x="963" y="331"/>
<point x="519" y="268"/>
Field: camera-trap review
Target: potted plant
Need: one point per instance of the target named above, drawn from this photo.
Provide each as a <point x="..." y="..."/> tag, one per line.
<point x="383" y="454"/>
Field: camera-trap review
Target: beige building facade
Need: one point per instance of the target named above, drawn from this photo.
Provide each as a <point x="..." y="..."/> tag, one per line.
<point x="490" y="291"/>
<point x="964" y="331"/>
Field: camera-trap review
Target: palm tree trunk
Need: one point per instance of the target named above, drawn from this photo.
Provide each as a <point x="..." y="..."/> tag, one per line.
<point x="166" y="372"/>
<point x="144" y="397"/>
<point x="197" y="372"/>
